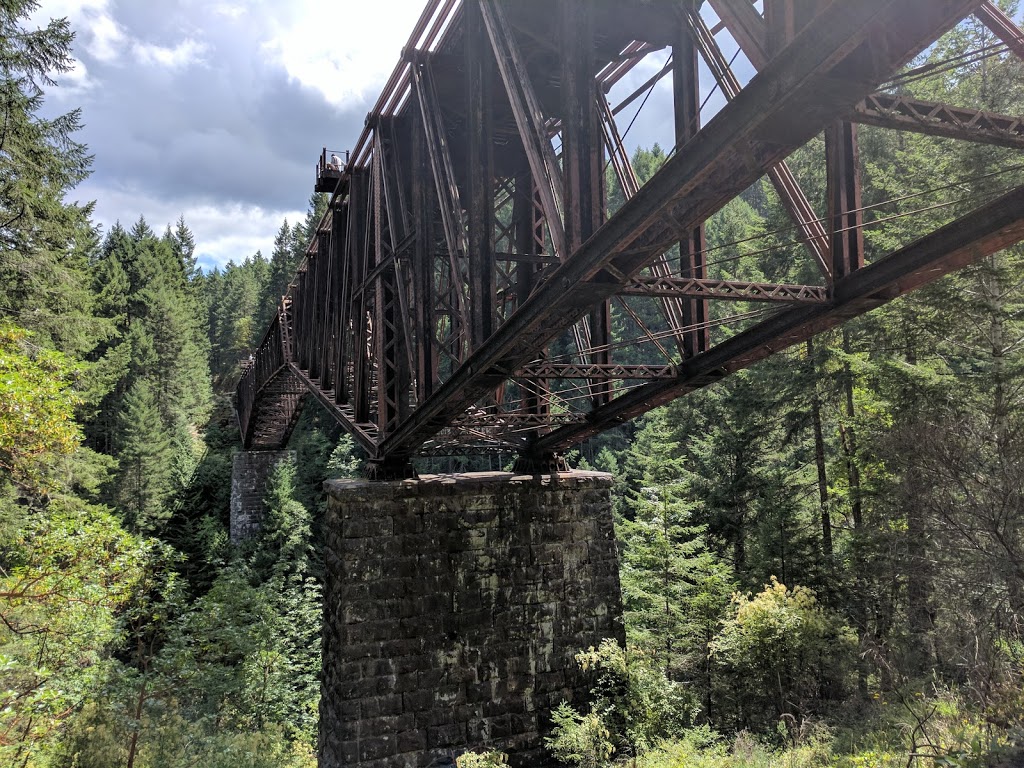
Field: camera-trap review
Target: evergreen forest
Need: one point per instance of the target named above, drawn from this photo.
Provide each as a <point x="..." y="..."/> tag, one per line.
<point x="822" y="557"/>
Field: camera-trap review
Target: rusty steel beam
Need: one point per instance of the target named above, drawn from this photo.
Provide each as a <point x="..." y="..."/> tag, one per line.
<point x="594" y="371"/>
<point x="365" y="433"/>
<point x="730" y="290"/>
<point x="885" y="110"/>
<point x="1002" y="26"/>
<point x="800" y="210"/>
<point x="835" y="62"/>
<point x="529" y="119"/>
<point x="991" y="228"/>
<point x="747" y="28"/>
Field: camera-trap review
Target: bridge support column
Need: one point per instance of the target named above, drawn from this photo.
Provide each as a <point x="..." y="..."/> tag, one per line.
<point x="454" y="605"/>
<point x="250" y="471"/>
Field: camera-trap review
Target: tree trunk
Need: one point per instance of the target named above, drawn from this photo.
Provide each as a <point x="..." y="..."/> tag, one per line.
<point x="849" y="443"/>
<point x="819" y="461"/>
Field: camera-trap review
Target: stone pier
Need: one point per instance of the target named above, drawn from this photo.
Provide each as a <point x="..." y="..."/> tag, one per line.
<point x="250" y="471"/>
<point x="454" y="605"/>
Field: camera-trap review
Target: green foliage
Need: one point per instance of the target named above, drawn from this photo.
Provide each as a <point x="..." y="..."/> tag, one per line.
<point x="633" y="706"/>
<point x="37" y="402"/>
<point x="580" y="740"/>
<point x="145" y="459"/>
<point x="481" y="760"/>
<point x="674" y="589"/>
<point x="783" y="653"/>
<point x="183" y="650"/>
<point x="703" y="748"/>
<point x="66" y="573"/>
<point x="344" y="463"/>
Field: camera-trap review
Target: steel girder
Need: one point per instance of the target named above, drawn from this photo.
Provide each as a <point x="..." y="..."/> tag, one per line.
<point x="462" y="287"/>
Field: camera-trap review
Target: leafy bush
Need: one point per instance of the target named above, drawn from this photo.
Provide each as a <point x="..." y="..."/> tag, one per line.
<point x="634" y="707"/>
<point x="782" y="654"/>
<point x="481" y="760"/>
<point x="582" y="740"/>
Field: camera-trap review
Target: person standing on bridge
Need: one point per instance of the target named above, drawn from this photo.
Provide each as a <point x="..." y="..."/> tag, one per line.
<point x="335" y="162"/>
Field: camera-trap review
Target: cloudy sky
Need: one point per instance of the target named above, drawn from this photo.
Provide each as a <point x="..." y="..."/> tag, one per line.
<point x="217" y="109"/>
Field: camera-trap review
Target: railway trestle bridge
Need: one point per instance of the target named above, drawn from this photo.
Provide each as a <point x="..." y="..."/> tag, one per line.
<point x="460" y="294"/>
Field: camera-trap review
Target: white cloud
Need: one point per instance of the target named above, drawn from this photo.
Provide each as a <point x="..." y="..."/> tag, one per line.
<point x="223" y="232"/>
<point x="72" y="9"/>
<point x="106" y="39"/>
<point x="186" y="52"/>
<point x="346" y="55"/>
<point x="75" y="81"/>
<point x="228" y="10"/>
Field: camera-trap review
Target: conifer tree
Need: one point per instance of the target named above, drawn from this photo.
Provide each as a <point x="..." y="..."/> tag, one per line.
<point x="284" y="561"/>
<point x="45" y="241"/>
<point x="281" y="270"/>
<point x="674" y="587"/>
<point x="144" y="454"/>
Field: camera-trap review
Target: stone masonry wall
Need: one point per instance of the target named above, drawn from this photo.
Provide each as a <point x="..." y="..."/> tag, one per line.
<point x="454" y="606"/>
<point x="250" y="471"/>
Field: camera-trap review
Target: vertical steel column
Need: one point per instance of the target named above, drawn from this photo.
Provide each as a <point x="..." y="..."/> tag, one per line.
<point x="786" y="19"/>
<point x="336" y="253"/>
<point x="339" y="251"/>
<point x="323" y="336"/>
<point x="423" y="257"/>
<point x="359" y="202"/>
<point x="298" y="293"/>
<point x="345" y="386"/>
<point x="846" y="219"/>
<point x="479" y="176"/>
<point x="583" y="172"/>
<point x="388" y="340"/>
<point x="314" y="290"/>
<point x="780" y="16"/>
<point x="528" y="221"/>
<point x="686" y="101"/>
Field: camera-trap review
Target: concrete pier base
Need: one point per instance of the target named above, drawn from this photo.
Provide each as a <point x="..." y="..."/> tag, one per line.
<point x="250" y="471"/>
<point x="454" y="606"/>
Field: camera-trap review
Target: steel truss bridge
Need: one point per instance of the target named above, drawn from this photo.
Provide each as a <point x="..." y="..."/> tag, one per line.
<point x="460" y="292"/>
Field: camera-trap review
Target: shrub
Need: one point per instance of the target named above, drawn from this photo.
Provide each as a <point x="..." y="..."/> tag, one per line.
<point x="781" y="653"/>
<point x="481" y="760"/>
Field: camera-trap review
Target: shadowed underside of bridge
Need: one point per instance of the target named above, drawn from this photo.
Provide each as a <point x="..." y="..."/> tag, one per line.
<point x="461" y="291"/>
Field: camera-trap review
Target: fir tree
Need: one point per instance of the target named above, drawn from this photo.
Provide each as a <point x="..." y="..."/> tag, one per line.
<point x="45" y="242"/>
<point x="145" y="454"/>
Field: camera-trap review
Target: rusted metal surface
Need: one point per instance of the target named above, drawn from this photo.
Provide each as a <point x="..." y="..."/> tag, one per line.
<point x="964" y="241"/>
<point x="1002" y="26"/>
<point x="734" y="290"/>
<point x="461" y="291"/>
<point x="904" y="113"/>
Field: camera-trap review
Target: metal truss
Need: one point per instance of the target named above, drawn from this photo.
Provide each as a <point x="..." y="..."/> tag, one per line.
<point x="734" y="290"/>
<point x="903" y="113"/>
<point x="460" y="293"/>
